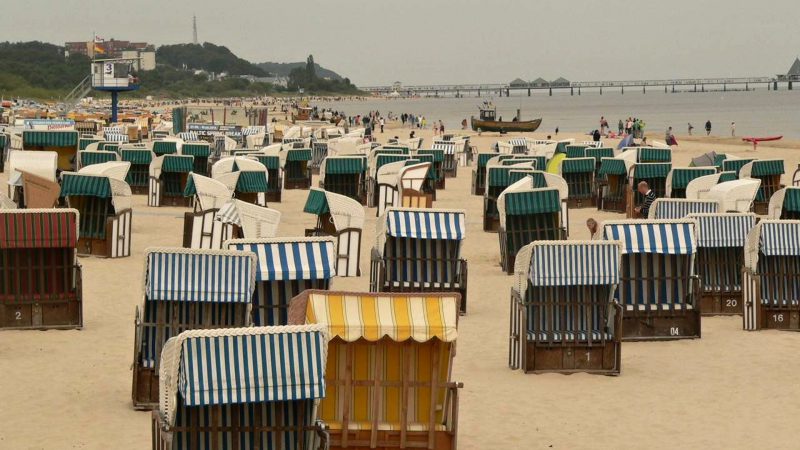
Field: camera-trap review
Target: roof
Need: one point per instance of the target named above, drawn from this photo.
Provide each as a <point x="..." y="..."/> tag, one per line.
<point x="723" y="230"/>
<point x="296" y="258"/>
<point x="243" y="365"/>
<point x="666" y="237"/>
<point x="518" y="82"/>
<point x="425" y="223"/>
<point x="38" y="228"/>
<point x="373" y="316"/>
<point x="539" y="80"/>
<point x="560" y="80"/>
<point x="795" y="69"/>
<point x="219" y="276"/>
<point x="574" y="263"/>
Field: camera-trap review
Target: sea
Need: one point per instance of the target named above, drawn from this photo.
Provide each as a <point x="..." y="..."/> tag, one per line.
<point x="757" y="112"/>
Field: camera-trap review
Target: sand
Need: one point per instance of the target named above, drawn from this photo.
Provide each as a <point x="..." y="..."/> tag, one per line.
<point x="730" y="389"/>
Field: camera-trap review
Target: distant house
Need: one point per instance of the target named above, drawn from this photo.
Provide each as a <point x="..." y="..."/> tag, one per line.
<point x="519" y="82"/>
<point x="540" y="83"/>
<point x="560" y="82"/>
<point x="794" y="71"/>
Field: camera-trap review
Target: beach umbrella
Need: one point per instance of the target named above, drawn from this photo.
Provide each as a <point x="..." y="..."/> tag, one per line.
<point x="704" y="160"/>
<point x="627" y="142"/>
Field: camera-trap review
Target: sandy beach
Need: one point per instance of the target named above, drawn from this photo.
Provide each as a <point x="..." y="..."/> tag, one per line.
<point x="730" y="389"/>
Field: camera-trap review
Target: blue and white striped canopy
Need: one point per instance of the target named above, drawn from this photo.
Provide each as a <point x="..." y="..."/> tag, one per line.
<point x="668" y="208"/>
<point x="449" y="147"/>
<point x="212" y="276"/>
<point x="723" y="230"/>
<point x="780" y="238"/>
<point x="426" y="224"/>
<point x="566" y="263"/>
<point x="518" y="142"/>
<point x="653" y="236"/>
<point x="253" y="367"/>
<point x="295" y="259"/>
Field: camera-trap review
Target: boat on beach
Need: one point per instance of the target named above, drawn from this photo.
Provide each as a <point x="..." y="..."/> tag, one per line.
<point x="487" y="122"/>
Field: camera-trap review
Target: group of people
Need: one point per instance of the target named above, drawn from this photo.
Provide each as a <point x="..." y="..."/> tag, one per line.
<point x="632" y="126"/>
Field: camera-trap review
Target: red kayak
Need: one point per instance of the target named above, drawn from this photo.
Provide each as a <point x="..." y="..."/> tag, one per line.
<point x="756" y="140"/>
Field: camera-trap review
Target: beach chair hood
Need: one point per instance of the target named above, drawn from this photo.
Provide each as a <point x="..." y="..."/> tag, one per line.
<point x="736" y="195"/>
<point x="256" y="221"/>
<point x="723" y="230"/>
<point x="771" y="238"/>
<point x="345" y="212"/>
<point x="211" y="193"/>
<point x="290" y="258"/>
<point x="698" y="188"/>
<point x="574" y="263"/>
<point x="421" y="223"/>
<point x="678" y="208"/>
<point x="117" y="170"/>
<point x="786" y="198"/>
<point x="299" y="350"/>
<point x="664" y="237"/>
<point x="39" y="163"/>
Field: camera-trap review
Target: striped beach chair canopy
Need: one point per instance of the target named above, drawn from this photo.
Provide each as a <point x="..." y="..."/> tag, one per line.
<point x="574" y="263"/>
<point x="353" y="316"/>
<point x="735" y="164"/>
<point x="49" y="138"/>
<point x="292" y="258"/>
<point x="680" y="177"/>
<point x="784" y="200"/>
<point x="423" y="224"/>
<point x="772" y="238"/>
<point x="167" y="146"/>
<point x="342" y="165"/>
<point x="736" y="195"/>
<point x="449" y="147"/>
<point x="723" y="230"/>
<point x="242" y="365"/>
<point x="577" y="165"/>
<point x="38" y="228"/>
<point x="762" y="168"/>
<point x="614" y="166"/>
<point x="378" y="160"/>
<point x="575" y="151"/>
<point x="171" y="164"/>
<point x="89" y="157"/>
<point x="678" y="208"/>
<point x="196" y="149"/>
<point x="519" y="201"/>
<point x="642" y="171"/>
<point x="344" y="211"/>
<point x="186" y="275"/>
<point x="664" y="237"/>
<point x="497" y="175"/>
<point x="654" y="155"/>
<point x="80" y="184"/>
<point x="117" y="170"/>
<point x="137" y="155"/>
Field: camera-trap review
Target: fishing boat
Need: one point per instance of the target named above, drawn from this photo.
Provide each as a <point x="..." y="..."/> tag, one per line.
<point x="487" y="122"/>
<point x="303" y="113"/>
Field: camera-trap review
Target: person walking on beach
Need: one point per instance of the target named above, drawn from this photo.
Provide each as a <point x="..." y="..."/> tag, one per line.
<point x="382" y="122"/>
<point x="733" y="129"/>
<point x="464" y="124"/>
<point x="556" y="131"/>
<point x="620" y="127"/>
<point x="708" y="128"/>
<point x="669" y="137"/>
<point x="602" y="125"/>
<point x="441" y="127"/>
<point x="690" y="128"/>
<point x="649" y="198"/>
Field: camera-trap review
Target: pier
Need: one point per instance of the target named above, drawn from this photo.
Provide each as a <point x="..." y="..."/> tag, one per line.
<point x="576" y="87"/>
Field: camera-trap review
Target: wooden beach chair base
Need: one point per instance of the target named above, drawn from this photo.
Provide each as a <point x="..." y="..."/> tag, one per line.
<point x="65" y="313"/>
<point x="568" y="358"/>
<point x="145" y="388"/>
<point x="390" y="440"/>
<point x="304" y="183"/>
<point x="661" y="325"/>
<point x="414" y="199"/>
<point x="761" y="208"/>
<point x="116" y="244"/>
<point x="478" y="185"/>
<point x="721" y="303"/>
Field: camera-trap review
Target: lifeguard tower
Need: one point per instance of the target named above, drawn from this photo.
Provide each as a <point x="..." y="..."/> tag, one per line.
<point x="114" y="76"/>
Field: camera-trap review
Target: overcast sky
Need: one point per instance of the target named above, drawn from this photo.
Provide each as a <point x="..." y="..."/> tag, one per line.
<point x="449" y="41"/>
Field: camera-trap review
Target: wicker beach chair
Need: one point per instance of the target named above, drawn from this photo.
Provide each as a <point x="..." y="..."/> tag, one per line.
<point x="678" y="208"/>
<point x="186" y="290"/>
<point x="771" y="276"/>
<point x="389" y="368"/>
<point x="63" y="142"/>
<point x="254" y="406"/>
<point x="40" y="276"/>
<point x="411" y="183"/>
<point x="139" y="175"/>
<point x="201" y="230"/>
<point x="680" y="177"/>
<point x="579" y="175"/>
<point x="736" y="195"/>
<point x="272" y="161"/>
<point x="720" y="258"/>
<point x="497" y="180"/>
<point x="479" y="172"/>
<point x="345" y="175"/>
<point x="769" y="171"/>
<point x="167" y="146"/>
<point x="249" y="221"/>
<point x="252" y="185"/>
<point x="375" y="163"/>
<point x="419" y="250"/>
<point x="735" y="164"/>
<point x="659" y="284"/>
<point x="785" y="204"/>
<point x="201" y="151"/>
<point x="564" y="317"/>
<point x="319" y="151"/>
<point x="342" y="218"/>
<point x="655" y="174"/>
<point x="612" y="184"/>
<point x="437" y="159"/>
<point x="106" y="214"/>
<point x="169" y="175"/>
<point x="528" y="214"/>
<point x="450" y="151"/>
<point x="295" y="169"/>
<point x="653" y="155"/>
<point x="286" y="267"/>
<point x="39" y="169"/>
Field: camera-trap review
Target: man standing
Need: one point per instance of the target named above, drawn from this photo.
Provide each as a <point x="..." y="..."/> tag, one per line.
<point x="649" y="198"/>
<point x="708" y="128"/>
<point x="733" y="129"/>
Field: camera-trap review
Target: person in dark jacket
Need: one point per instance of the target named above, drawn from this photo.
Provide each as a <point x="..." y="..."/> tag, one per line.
<point x="649" y="198"/>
